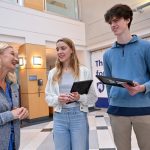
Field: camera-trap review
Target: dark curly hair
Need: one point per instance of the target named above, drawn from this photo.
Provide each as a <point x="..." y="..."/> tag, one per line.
<point x="119" y="11"/>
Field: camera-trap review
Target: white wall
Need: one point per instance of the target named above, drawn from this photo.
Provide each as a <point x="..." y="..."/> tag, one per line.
<point x="84" y="58"/>
<point x="98" y="33"/>
<point x="24" y="25"/>
<point x="20" y="24"/>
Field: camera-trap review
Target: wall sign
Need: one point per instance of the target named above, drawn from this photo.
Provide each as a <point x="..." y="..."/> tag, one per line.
<point x="98" y="69"/>
<point x="32" y="77"/>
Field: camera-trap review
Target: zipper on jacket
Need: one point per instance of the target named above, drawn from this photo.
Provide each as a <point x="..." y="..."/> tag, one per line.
<point x="123" y="50"/>
<point x="121" y="46"/>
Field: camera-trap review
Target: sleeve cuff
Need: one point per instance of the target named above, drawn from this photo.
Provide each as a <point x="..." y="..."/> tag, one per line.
<point x="147" y="88"/>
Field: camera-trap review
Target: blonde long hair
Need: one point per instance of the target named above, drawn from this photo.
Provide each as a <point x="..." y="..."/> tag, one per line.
<point x="74" y="62"/>
<point x="10" y="76"/>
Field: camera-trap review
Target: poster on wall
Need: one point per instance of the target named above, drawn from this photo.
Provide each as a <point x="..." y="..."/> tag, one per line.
<point x="98" y="69"/>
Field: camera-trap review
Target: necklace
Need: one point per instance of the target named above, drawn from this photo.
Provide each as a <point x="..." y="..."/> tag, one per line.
<point x="66" y="69"/>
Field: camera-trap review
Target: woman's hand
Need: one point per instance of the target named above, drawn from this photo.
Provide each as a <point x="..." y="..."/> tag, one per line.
<point x="20" y="113"/>
<point x="23" y="113"/>
<point x="74" y="96"/>
<point x="133" y="90"/>
<point x="63" y="98"/>
<point x="15" y="113"/>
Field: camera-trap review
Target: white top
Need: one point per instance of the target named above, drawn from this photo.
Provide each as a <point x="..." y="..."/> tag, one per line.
<point x="65" y="85"/>
<point x="52" y="91"/>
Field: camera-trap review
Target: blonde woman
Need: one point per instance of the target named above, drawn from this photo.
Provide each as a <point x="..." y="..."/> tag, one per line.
<point x="71" y="129"/>
<point x="10" y="113"/>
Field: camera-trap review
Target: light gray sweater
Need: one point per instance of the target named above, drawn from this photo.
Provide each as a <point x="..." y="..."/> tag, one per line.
<point x="6" y="117"/>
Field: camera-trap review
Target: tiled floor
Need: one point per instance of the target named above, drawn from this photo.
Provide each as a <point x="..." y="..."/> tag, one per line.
<point x="39" y="137"/>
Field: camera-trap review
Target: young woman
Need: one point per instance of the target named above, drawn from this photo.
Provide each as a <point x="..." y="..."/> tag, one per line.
<point x="71" y="129"/>
<point x="10" y="113"/>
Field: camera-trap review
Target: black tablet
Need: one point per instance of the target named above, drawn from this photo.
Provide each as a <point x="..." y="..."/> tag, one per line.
<point x="82" y="87"/>
<point x="114" y="81"/>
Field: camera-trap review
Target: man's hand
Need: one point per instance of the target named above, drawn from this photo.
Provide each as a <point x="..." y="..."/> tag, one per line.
<point x="133" y="90"/>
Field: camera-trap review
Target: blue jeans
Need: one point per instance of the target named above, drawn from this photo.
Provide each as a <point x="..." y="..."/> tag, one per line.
<point x="71" y="129"/>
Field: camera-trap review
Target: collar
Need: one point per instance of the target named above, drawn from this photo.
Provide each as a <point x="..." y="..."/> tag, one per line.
<point x="134" y="39"/>
<point x="9" y="82"/>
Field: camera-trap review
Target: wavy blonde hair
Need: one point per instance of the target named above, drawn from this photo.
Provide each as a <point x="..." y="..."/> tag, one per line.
<point x="10" y="76"/>
<point x="74" y="62"/>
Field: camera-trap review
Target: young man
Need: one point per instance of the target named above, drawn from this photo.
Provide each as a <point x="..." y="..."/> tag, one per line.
<point x="128" y="58"/>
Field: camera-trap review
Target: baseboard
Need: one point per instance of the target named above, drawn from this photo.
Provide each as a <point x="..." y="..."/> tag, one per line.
<point x="29" y="122"/>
